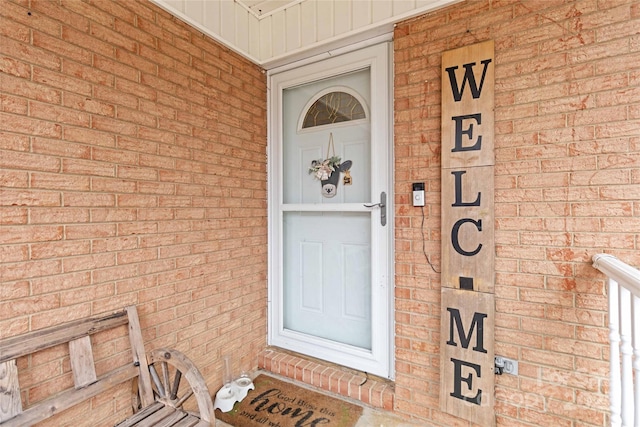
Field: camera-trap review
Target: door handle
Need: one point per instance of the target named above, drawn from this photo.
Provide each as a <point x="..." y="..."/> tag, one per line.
<point x="383" y="208"/>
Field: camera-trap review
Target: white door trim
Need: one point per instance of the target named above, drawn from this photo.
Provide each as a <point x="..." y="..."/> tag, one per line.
<point x="378" y="58"/>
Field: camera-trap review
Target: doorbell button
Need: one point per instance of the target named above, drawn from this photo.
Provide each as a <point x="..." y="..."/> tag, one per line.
<point x="418" y="194"/>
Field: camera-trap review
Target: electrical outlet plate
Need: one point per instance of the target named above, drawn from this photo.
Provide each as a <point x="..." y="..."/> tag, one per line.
<point x="509" y="366"/>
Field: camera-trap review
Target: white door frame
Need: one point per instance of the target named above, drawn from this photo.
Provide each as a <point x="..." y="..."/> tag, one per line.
<point x="380" y="360"/>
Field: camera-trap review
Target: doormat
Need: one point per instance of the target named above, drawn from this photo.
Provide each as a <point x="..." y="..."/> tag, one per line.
<point x="276" y="403"/>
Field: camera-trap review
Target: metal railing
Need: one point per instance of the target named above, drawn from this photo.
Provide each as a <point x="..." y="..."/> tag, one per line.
<point x="624" y="338"/>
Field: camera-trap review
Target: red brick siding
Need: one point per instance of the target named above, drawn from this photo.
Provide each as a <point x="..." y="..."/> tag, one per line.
<point x="567" y="155"/>
<point x="132" y="171"/>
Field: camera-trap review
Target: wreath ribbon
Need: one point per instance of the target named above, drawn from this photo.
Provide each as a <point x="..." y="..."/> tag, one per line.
<point x="330" y="147"/>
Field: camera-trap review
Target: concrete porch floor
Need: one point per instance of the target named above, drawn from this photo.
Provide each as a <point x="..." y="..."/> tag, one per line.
<point x="371" y="417"/>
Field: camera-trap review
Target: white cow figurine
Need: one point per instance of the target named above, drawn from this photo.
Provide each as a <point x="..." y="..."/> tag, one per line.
<point x="329" y="179"/>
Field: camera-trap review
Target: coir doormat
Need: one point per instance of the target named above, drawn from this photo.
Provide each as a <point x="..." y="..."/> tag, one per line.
<point x="276" y="403"/>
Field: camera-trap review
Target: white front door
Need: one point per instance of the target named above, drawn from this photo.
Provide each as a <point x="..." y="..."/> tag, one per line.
<point x="330" y="235"/>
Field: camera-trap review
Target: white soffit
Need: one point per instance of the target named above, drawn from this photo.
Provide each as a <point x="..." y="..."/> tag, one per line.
<point x="262" y="8"/>
<point x="274" y="33"/>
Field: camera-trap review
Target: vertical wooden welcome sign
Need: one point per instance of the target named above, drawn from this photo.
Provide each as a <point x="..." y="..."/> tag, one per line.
<point x="468" y="242"/>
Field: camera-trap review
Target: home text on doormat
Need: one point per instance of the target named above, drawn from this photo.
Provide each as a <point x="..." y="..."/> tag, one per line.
<point x="276" y="403"/>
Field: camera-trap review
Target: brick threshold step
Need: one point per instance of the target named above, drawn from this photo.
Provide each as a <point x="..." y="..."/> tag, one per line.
<point x="367" y="389"/>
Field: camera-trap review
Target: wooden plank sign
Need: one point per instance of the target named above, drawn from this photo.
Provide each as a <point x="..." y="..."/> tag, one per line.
<point x="468" y="241"/>
<point x="467" y="168"/>
<point x="467" y="106"/>
<point x="467" y="378"/>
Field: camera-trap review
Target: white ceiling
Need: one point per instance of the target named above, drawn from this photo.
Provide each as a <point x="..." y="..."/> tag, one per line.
<point x="275" y="33"/>
<point x="263" y="8"/>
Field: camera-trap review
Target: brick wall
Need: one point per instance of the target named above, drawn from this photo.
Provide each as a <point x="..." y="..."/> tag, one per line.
<point x="567" y="156"/>
<point x="132" y="171"/>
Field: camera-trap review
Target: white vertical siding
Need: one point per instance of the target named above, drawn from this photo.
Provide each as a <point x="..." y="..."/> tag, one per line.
<point x="309" y="34"/>
<point x="401" y="7"/>
<point x="176" y="4"/>
<point x="361" y="13"/>
<point x="255" y="37"/>
<point x="278" y="34"/>
<point x="211" y="15"/>
<point x="343" y="17"/>
<point x="324" y="19"/>
<point x="241" y="29"/>
<point x="227" y="21"/>
<point x="265" y="39"/>
<point x="194" y="8"/>
<point x="295" y="26"/>
<point x="382" y="10"/>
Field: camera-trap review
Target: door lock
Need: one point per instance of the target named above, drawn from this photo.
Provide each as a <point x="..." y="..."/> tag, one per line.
<point x="383" y="208"/>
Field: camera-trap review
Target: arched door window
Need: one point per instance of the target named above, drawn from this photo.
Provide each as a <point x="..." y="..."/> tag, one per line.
<point x="331" y="106"/>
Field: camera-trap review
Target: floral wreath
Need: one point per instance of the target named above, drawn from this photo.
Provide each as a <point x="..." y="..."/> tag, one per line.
<point x="322" y="169"/>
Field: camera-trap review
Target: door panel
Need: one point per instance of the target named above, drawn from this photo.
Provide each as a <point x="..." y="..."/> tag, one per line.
<point x="327" y="281"/>
<point x="351" y="140"/>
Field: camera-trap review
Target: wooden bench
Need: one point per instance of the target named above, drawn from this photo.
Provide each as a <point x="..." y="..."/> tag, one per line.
<point x="161" y="399"/>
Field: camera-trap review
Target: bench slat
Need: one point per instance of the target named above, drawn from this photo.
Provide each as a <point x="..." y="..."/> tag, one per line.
<point x="171" y="420"/>
<point x="139" y="357"/>
<point x="70" y="398"/>
<point x="144" y="413"/>
<point x="14" y="347"/>
<point x="190" y="421"/>
<point x="82" y="365"/>
<point x="158" y="415"/>
<point x="10" y="401"/>
<point x="155" y="418"/>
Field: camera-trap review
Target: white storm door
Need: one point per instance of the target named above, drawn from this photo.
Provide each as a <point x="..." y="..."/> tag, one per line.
<point x="330" y="241"/>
